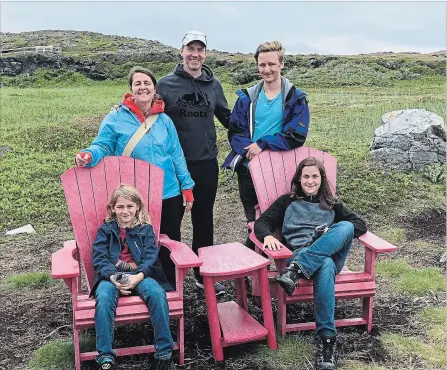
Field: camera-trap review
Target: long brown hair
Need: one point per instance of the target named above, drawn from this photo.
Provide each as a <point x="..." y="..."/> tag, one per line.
<point x="327" y="199"/>
<point x="130" y="193"/>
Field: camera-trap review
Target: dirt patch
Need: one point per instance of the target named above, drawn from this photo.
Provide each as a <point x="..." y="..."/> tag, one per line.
<point x="32" y="318"/>
<point x="428" y="225"/>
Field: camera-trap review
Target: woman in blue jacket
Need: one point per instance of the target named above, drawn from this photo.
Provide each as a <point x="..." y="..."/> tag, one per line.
<point x="160" y="146"/>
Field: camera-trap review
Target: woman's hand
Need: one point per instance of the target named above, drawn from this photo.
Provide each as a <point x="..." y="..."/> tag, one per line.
<point x="253" y="150"/>
<point x="81" y="159"/>
<point x="188" y="199"/>
<point x="272" y="243"/>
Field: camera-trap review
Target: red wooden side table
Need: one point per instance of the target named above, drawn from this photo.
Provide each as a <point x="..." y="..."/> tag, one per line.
<point x="235" y="261"/>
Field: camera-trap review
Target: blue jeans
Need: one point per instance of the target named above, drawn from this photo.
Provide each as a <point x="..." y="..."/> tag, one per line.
<point x="320" y="262"/>
<point x="106" y="301"/>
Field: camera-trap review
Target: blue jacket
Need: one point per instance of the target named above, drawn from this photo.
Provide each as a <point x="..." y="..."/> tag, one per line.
<point x="144" y="251"/>
<point x="160" y="146"/>
<point x="295" y="121"/>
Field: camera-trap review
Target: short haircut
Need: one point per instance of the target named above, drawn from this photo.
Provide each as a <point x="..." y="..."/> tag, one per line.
<point x="139" y="69"/>
<point x="271" y="46"/>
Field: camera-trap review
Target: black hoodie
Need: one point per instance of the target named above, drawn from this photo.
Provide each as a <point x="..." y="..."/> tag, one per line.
<point x="192" y="104"/>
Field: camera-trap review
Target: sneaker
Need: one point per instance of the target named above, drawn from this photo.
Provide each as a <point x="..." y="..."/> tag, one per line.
<point x="218" y="287"/>
<point x="107" y="364"/>
<point x="163" y="364"/>
<point x="325" y="358"/>
<point x="288" y="278"/>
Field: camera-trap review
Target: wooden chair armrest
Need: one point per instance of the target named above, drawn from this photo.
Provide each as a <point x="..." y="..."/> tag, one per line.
<point x="181" y="254"/>
<point x="63" y="262"/>
<point x="283" y="253"/>
<point x="376" y="244"/>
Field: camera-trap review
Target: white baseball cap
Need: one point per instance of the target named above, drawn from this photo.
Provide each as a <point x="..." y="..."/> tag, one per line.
<point x="193" y="36"/>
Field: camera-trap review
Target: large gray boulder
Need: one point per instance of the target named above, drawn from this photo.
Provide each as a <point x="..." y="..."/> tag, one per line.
<point x="410" y="140"/>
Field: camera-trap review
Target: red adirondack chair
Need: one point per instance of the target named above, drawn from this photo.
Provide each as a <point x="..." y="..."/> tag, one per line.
<point x="87" y="191"/>
<point x="272" y="174"/>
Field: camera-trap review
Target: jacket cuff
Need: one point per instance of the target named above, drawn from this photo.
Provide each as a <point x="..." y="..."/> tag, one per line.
<point x="188" y="195"/>
<point x="262" y="144"/>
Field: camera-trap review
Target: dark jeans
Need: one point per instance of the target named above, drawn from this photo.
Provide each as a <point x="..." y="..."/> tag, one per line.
<point x="248" y="197"/>
<point x="105" y="309"/>
<point x="205" y="175"/>
<point x="320" y="262"/>
<point x="171" y="218"/>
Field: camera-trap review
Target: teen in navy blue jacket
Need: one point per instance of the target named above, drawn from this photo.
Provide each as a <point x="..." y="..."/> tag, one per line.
<point x="271" y="115"/>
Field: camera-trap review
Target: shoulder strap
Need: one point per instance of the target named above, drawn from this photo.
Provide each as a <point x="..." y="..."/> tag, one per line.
<point x="250" y="123"/>
<point x="137" y="136"/>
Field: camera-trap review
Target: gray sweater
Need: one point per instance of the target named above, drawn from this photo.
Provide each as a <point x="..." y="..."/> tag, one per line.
<point x="192" y="103"/>
<point x="297" y="219"/>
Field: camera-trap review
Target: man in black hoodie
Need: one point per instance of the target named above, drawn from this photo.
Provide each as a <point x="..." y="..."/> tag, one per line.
<point x="193" y="96"/>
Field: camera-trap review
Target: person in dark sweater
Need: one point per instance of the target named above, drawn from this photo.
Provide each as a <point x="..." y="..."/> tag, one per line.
<point x="298" y="214"/>
<point x="193" y="96"/>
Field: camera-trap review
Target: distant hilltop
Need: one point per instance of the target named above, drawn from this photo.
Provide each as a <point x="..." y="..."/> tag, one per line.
<point x="97" y="56"/>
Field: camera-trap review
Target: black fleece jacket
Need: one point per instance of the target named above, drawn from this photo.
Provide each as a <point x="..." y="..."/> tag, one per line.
<point x="273" y="218"/>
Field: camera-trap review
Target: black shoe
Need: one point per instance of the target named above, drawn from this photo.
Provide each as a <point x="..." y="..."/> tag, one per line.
<point x="289" y="277"/>
<point x="325" y="359"/>
<point x="107" y="365"/>
<point x="218" y="287"/>
<point x="163" y="364"/>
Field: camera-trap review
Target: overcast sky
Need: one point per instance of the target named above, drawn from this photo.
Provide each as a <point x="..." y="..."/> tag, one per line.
<point x="303" y="27"/>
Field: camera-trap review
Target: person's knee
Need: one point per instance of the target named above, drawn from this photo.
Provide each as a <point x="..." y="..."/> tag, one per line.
<point x="154" y="292"/>
<point x="346" y="228"/>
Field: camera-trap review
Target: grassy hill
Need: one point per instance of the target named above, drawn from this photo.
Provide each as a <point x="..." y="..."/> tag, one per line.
<point x="85" y="56"/>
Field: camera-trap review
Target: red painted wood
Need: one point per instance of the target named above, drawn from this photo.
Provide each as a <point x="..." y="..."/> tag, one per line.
<point x="138" y="350"/>
<point x="237" y="325"/>
<point x="229" y="259"/>
<point x="63" y="263"/>
<point x="213" y="317"/>
<point x="181" y="254"/>
<point x="266" y="304"/>
<point x="375" y="243"/>
<point x="155" y="195"/>
<point x="284" y="252"/>
<point x="312" y="326"/>
<point x="127" y="170"/>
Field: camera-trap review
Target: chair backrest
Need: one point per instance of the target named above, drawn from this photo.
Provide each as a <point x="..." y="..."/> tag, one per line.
<point x="88" y="191"/>
<point x="272" y="172"/>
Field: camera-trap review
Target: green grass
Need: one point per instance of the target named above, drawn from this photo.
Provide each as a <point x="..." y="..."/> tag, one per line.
<point x="406" y="348"/>
<point x="33" y="280"/>
<point x="394" y="235"/>
<point x="45" y="127"/>
<point x="294" y="352"/>
<point x="59" y="354"/>
<point x="414" y="281"/>
<point x="435" y="320"/>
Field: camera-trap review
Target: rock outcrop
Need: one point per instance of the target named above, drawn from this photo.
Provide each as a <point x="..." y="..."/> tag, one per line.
<point x="410" y="140"/>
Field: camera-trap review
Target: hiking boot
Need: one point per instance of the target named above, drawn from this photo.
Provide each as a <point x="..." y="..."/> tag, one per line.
<point x="325" y="358"/>
<point x="107" y="364"/>
<point x="218" y="287"/>
<point x="158" y="364"/>
<point x="289" y="277"/>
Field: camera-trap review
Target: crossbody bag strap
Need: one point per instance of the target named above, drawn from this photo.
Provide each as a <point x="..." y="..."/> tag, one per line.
<point x="250" y="124"/>
<point x="138" y="135"/>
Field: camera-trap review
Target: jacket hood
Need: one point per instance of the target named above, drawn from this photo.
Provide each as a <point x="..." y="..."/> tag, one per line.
<point x="206" y="76"/>
<point x="158" y="106"/>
